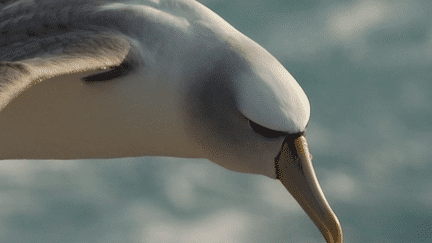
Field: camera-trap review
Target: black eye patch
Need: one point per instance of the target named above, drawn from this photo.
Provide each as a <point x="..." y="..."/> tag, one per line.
<point x="266" y="132"/>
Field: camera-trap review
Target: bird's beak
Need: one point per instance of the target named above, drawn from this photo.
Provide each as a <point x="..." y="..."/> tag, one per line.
<point x="295" y="171"/>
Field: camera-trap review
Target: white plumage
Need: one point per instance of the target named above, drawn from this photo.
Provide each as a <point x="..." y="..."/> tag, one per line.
<point x="110" y="79"/>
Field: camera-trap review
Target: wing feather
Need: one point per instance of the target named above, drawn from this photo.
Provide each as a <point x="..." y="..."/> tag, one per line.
<point x="52" y="56"/>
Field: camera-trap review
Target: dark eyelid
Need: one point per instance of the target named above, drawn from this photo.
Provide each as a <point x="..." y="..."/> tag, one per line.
<point x="266" y="132"/>
<point x="269" y="133"/>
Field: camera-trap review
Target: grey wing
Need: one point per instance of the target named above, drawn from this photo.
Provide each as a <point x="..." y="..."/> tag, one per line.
<point x="25" y="64"/>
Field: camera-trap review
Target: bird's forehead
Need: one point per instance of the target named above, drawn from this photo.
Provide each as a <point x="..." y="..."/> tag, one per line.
<point x="268" y="94"/>
<point x="265" y="91"/>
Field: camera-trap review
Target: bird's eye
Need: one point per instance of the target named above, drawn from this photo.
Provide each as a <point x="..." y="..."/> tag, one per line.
<point x="265" y="132"/>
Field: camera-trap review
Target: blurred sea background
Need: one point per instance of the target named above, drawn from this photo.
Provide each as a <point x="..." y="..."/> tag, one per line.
<point x="366" y="66"/>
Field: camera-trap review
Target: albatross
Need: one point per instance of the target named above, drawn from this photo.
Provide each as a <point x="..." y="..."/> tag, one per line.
<point x="89" y="79"/>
